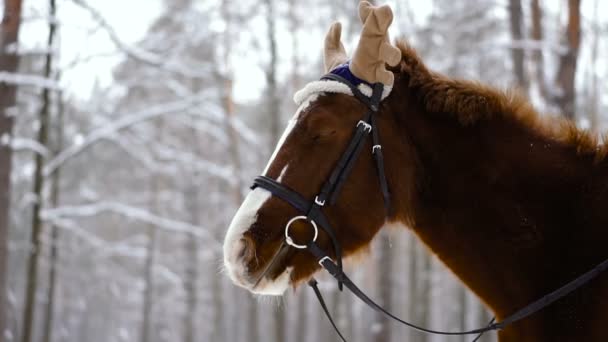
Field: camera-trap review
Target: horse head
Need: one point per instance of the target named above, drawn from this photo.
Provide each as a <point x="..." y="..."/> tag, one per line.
<point x="255" y="254"/>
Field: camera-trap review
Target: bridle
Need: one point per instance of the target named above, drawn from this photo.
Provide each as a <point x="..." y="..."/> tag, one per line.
<point x="311" y="212"/>
<point x="332" y="186"/>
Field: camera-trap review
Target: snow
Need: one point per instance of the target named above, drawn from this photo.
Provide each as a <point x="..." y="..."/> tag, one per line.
<point x="30" y="80"/>
<point x="25" y="144"/>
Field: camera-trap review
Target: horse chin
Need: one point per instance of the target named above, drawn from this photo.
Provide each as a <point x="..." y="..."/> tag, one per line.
<point x="273" y="287"/>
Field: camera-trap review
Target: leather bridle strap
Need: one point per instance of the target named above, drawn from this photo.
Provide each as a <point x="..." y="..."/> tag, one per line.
<point x="528" y="310"/>
<point x="379" y="158"/>
<point x="373" y="103"/>
<point x="339" y="275"/>
<point x="313" y="283"/>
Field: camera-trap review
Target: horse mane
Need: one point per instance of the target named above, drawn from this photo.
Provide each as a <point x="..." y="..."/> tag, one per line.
<point x="472" y="102"/>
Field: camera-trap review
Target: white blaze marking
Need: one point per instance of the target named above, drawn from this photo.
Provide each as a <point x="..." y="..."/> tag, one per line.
<point x="282" y="174"/>
<point x="290" y="125"/>
<point x="242" y="220"/>
<point x="247" y="215"/>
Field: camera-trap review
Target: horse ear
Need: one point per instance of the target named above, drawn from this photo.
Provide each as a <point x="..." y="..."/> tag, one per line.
<point x="334" y="53"/>
<point x="374" y="50"/>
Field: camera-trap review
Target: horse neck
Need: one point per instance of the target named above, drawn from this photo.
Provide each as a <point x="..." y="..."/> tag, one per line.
<point x="437" y="198"/>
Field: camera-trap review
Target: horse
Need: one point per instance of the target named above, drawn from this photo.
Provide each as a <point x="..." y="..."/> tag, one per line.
<point x="510" y="201"/>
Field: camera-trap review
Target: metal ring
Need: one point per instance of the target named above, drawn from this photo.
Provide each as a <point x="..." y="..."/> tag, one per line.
<point x="288" y="238"/>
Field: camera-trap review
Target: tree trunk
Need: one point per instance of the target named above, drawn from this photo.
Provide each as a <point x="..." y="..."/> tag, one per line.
<point x="271" y="75"/>
<point x="275" y="125"/>
<point x="566" y="96"/>
<point x="301" y="332"/>
<point x="412" y="279"/>
<point x="419" y="288"/>
<point x="462" y="311"/>
<point x="382" y="329"/>
<point x="483" y="319"/>
<point x="217" y="333"/>
<point x="47" y="331"/>
<point x="226" y="79"/>
<point x="294" y="24"/>
<point x="9" y="32"/>
<point x="517" y="54"/>
<point x="425" y="275"/>
<point x="537" y="54"/>
<point x="35" y="244"/>
<point x="328" y="333"/>
<point x="191" y="248"/>
<point x="149" y="284"/>
<point x="192" y="264"/>
<point x="594" y="98"/>
<point x="190" y="288"/>
<point x="150" y="259"/>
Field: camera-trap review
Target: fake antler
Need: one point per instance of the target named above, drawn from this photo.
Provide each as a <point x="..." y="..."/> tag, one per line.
<point x="374" y="50"/>
<point x="334" y="53"/>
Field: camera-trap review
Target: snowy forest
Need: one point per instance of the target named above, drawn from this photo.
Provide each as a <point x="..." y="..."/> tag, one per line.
<point x="130" y="132"/>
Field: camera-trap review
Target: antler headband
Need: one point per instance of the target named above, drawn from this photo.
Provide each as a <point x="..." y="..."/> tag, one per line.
<point x="374" y="50"/>
<point x="368" y="65"/>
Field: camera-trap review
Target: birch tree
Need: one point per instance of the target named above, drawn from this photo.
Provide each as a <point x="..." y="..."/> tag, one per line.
<point x="566" y="72"/>
<point x="44" y="121"/>
<point x="9" y="61"/>
<point x="517" y="54"/>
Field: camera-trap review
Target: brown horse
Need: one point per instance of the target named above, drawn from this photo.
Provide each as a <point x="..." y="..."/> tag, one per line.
<point x="512" y="202"/>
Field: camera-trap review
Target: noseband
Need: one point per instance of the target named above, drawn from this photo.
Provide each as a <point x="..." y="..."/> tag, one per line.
<point x="310" y="211"/>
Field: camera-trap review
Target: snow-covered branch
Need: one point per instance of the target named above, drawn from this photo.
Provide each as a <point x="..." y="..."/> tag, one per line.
<point x="23" y="144"/>
<point x="171" y="154"/>
<point x="93" y="209"/>
<point x="28" y="80"/>
<point x="142" y="55"/>
<point x="123" y="122"/>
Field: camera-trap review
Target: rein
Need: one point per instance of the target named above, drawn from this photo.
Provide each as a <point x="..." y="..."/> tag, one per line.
<point x="313" y="214"/>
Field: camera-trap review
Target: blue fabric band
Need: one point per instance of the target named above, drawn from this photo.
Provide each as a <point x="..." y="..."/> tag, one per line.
<point x="343" y="71"/>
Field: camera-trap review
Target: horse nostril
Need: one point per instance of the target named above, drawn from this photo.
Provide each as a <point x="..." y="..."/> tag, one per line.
<point x="247" y="251"/>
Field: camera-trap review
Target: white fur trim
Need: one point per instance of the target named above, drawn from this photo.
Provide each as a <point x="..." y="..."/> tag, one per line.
<point x="367" y="90"/>
<point x="331" y="86"/>
<point x="319" y="87"/>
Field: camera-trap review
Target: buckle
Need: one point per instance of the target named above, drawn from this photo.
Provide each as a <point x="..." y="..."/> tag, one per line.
<point x="319" y="202"/>
<point x="323" y="259"/>
<point x="366" y="127"/>
<point x="288" y="238"/>
<point x="376" y="147"/>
